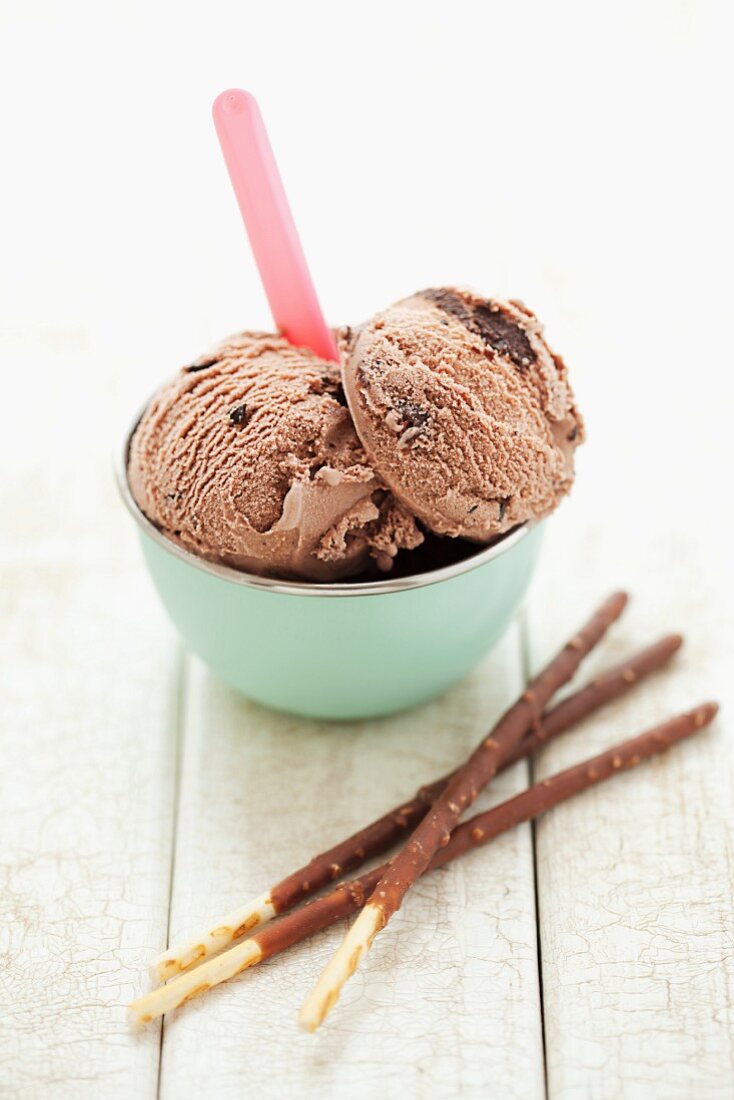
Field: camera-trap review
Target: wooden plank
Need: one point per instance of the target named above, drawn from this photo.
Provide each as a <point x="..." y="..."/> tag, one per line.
<point x="636" y="879"/>
<point x="449" y="1004"/>
<point x="88" y="683"/>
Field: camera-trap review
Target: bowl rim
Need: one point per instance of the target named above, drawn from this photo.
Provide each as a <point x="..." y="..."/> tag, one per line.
<point x="302" y="588"/>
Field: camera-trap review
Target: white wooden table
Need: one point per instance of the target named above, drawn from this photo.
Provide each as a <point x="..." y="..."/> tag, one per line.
<point x="589" y="957"/>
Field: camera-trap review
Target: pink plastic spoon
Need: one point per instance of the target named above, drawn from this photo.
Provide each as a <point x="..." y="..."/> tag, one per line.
<point x="269" y="223"/>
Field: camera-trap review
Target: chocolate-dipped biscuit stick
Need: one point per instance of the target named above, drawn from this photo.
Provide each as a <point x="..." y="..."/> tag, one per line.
<point x="388" y="829"/>
<point x="348" y="897"/>
<point x="434" y="831"/>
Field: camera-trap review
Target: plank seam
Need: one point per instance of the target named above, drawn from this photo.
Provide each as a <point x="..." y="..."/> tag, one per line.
<point x="179" y="708"/>
<point x="526" y="671"/>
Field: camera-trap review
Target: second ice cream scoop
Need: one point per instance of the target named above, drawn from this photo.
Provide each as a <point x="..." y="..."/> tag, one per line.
<point x="249" y="457"/>
<point x="464" y="410"/>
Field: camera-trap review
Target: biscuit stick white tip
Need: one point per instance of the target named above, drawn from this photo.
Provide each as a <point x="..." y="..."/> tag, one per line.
<point x="340" y="968"/>
<point x="187" y="986"/>
<point x="182" y="957"/>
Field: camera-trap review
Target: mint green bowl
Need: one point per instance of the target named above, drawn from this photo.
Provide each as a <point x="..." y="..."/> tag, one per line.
<point x="339" y="651"/>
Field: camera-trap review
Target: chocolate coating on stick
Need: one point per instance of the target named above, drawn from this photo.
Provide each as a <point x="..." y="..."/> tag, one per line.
<point x="543" y="796"/>
<point x="348" y="897"/>
<point x="480" y="829"/>
<point x="319" y="913"/>
<point x="430" y="835"/>
<point x="387" y="830"/>
<point x="602" y="689"/>
<point x="356" y="849"/>
<point x="410" y="863"/>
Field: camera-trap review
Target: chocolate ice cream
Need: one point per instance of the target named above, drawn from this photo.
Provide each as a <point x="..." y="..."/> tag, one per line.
<point x="454" y="416"/>
<point x="249" y="457"/>
<point x="464" y="410"/>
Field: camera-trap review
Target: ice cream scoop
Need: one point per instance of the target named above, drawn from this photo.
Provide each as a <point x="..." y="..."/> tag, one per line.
<point x="248" y="456"/>
<point x="464" y="410"/>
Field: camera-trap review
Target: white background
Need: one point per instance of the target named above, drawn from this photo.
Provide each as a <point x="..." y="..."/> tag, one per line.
<point x="571" y="154"/>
